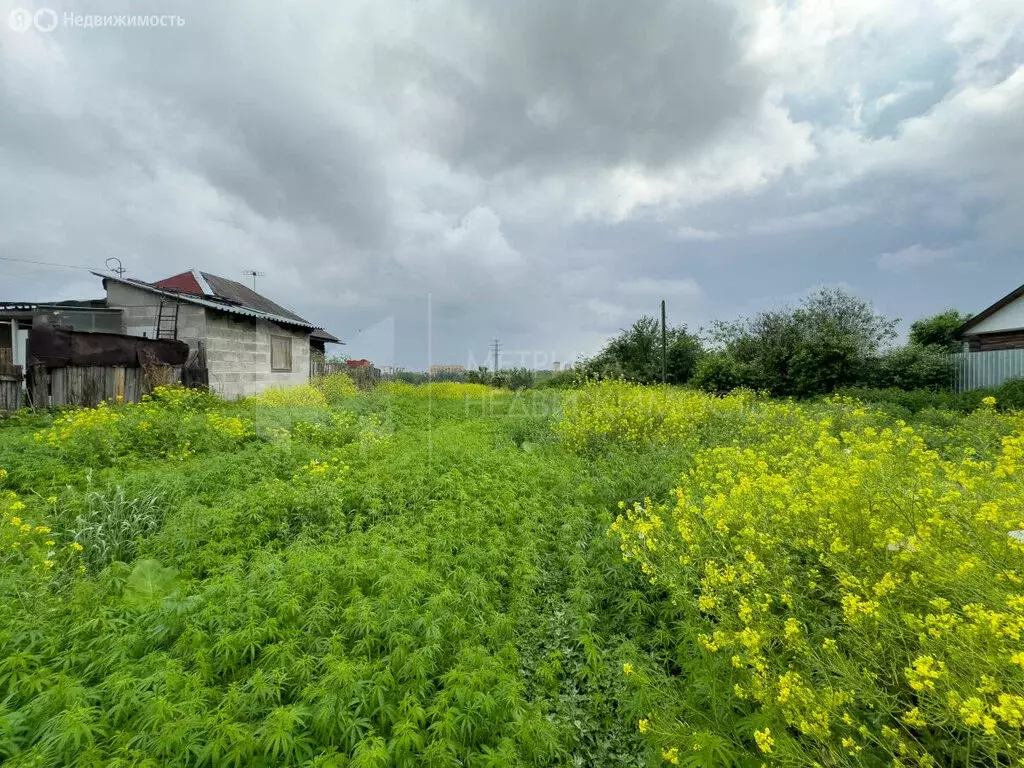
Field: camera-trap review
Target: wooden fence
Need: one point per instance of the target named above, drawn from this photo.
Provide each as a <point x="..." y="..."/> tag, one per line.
<point x="90" y="385"/>
<point x="10" y="387"/>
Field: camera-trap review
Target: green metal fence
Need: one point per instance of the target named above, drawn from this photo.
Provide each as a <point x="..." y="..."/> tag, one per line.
<point x="984" y="370"/>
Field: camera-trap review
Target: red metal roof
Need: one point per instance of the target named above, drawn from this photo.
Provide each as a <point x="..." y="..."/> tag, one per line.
<point x="359" y="363"/>
<point x="185" y="282"/>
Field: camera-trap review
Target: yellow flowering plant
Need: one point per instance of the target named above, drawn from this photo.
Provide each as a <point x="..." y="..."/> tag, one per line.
<point x="171" y="422"/>
<point x="616" y="412"/>
<point x="301" y="395"/>
<point x="335" y="387"/>
<point x="29" y="553"/>
<point x="859" y="593"/>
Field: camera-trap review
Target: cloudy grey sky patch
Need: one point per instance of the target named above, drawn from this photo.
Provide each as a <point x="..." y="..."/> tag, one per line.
<point x="546" y="171"/>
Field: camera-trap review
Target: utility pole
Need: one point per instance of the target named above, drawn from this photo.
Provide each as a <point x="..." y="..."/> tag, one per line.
<point x="496" y="348"/>
<point x="254" y="274"/>
<point x="662" y="341"/>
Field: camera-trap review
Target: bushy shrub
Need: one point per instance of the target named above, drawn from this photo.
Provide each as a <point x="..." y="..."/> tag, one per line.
<point x="301" y="395"/>
<point x="827" y="342"/>
<point x="512" y="378"/>
<point x="615" y="412"/>
<point x="442" y="390"/>
<point x="336" y="387"/>
<point x="848" y="596"/>
<point x="1009" y="396"/>
<point x="912" y="367"/>
<point x="172" y="422"/>
<point x="635" y="354"/>
<point x="938" y="331"/>
<point x="566" y="379"/>
<point x="718" y="371"/>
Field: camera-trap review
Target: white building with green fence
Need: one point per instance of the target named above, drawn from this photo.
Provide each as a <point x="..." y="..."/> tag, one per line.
<point x="993" y="345"/>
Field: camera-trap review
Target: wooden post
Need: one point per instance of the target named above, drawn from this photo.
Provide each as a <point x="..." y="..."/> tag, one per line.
<point x="663" y="341"/>
<point x="119" y="383"/>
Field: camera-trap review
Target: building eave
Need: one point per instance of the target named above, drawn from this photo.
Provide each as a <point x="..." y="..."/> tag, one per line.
<point x="964" y="330"/>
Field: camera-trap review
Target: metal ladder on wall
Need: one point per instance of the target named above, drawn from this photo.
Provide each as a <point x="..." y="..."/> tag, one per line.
<point x="167" y="320"/>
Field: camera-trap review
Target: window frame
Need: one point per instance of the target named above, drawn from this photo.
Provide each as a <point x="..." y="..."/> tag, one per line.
<point x="290" y="361"/>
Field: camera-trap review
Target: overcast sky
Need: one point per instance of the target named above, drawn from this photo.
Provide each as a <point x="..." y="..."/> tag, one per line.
<point x="544" y="170"/>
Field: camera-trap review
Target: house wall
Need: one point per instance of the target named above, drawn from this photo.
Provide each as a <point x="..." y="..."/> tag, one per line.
<point x="139" y="311"/>
<point x="237" y="347"/>
<point x="1009" y="318"/>
<point x="238" y="355"/>
<point x="994" y="341"/>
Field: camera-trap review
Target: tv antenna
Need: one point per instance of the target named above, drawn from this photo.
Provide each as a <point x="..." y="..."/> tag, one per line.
<point x="119" y="269"/>
<point x="254" y="274"/>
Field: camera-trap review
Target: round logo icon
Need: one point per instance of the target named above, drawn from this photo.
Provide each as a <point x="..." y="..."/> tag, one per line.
<point x="45" y="19"/>
<point x="20" y="20"/>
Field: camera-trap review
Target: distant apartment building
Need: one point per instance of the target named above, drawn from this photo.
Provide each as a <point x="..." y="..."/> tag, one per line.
<point x="436" y="369"/>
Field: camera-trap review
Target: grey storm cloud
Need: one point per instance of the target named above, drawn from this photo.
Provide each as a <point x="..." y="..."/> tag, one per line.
<point x="543" y="172"/>
<point x="583" y="83"/>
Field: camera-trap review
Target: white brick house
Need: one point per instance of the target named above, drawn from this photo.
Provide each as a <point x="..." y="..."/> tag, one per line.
<point x="250" y="342"/>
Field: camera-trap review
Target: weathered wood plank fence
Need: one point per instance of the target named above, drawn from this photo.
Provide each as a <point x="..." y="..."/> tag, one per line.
<point x="83" y="369"/>
<point x="90" y="385"/>
<point x="10" y="387"/>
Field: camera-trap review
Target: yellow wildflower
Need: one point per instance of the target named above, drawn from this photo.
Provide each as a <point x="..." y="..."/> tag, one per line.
<point x="913" y="717"/>
<point x="764" y="740"/>
<point x="791" y="629"/>
<point x="924" y="672"/>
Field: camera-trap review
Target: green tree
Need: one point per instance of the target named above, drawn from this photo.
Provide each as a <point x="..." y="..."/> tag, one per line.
<point x="937" y="330"/>
<point x="911" y="367"/>
<point x="828" y="341"/>
<point x="636" y="353"/>
<point x="513" y="378"/>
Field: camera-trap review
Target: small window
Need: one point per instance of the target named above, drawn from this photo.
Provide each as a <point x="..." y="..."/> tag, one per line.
<point x="280" y="353"/>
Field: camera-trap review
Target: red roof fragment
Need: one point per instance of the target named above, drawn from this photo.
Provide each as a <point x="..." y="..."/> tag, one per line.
<point x="185" y="283"/>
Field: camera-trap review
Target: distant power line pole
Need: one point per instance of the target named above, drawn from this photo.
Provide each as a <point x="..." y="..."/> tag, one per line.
<point x="496" y="348"/>
<point x="254" y="274"/>
<point x="662" y="341"/>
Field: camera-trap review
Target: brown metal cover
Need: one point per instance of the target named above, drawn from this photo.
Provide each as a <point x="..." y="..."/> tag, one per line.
<point x="56" y="348"/>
